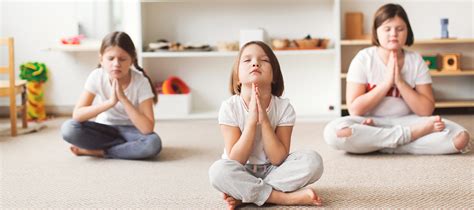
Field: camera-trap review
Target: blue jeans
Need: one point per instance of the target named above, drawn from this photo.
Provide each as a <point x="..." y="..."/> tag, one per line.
<point x="121" y="141"/>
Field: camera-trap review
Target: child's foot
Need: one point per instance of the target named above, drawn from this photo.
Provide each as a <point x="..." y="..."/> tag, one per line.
<point x="79" y="152"/>
<point x="368" y="121"/>
<point x="433" y="124"/>
<point x="232" y="203"/>
<point x="306" y="196"/>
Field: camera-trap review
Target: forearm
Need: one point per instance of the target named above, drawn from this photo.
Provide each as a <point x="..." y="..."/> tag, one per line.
<point x="85" y="113"/>
<point x="144" y="124"/>
<point x="242" y="149"/>
<point x="418" y="103"/>
<point x="366" y="102"/>
<point x="274" y="149"/>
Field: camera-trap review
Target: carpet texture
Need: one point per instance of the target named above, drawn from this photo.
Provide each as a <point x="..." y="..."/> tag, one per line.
<point x="37" y="170"/>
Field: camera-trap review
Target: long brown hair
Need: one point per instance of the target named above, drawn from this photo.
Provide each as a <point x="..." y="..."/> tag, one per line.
<point x="277" y="81"/>
<point x="386" y="12"/>
<point x="123" y="40"/>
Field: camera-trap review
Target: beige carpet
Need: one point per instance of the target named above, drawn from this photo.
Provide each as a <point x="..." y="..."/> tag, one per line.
<point x="38" y="171"/>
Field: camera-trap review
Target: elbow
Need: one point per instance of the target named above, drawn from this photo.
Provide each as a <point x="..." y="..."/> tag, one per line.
<point x="355" y="112"/>
<point x="426" y="112"/>
<point x="278" y="161"/>
<point x="146" y="131"/>
<point x="77" y="118"/>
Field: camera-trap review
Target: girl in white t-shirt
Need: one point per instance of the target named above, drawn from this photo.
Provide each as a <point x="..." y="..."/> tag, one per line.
<point x="124" y="109"/>
<point x="256" y="166"/>
<point x="390" y="98"/>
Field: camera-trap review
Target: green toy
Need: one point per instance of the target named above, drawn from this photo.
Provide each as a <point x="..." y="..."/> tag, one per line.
<point x="431" y="61"/>
<point x="36" y="74"/>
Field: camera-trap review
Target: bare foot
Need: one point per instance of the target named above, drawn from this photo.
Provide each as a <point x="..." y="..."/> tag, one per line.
<point x="79" y="152"/>
<point x="232" y="203"/>
<point x="306" y="196"/>
<point x="433" y="124"/>
<point x="368" y="121"/>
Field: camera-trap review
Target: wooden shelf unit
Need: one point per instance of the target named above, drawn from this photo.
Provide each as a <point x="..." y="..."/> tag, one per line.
<point x="417" y="42"/>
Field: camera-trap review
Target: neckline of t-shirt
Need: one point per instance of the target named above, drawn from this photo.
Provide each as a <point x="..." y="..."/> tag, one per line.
<point x="405" y="52"/>
<point x="246" y="108"/>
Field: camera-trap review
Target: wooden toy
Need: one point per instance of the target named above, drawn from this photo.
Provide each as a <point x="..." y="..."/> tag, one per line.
<point x="451" y="62"/>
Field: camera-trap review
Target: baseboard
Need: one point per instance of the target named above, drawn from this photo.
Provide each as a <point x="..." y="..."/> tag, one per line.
<point x="50" y="111"/>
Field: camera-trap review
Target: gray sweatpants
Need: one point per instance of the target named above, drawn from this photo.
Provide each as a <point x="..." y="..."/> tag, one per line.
<point x="254" y="183"/>
<point x="391" y="135"/>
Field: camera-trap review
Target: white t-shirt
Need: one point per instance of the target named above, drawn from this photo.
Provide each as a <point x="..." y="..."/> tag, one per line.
<point x="137" y="91"/>
<point x="368" y="68"/>
<point x="234" y="112"/>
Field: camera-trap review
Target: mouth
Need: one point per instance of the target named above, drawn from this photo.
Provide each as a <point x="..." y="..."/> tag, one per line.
<point x="255" y="71"/>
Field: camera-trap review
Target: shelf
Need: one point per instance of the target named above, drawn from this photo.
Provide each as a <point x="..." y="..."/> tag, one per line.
<point x="417" y="42"/>
<point x="435" y="73"/>
<point x="230" y="54"/>
<point x="85" y="46"/>
<point x="443" y="104"/>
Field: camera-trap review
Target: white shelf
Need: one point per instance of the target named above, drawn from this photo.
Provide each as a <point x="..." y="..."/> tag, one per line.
<point x="88" y="45"/>
<point x="231" y="54"/>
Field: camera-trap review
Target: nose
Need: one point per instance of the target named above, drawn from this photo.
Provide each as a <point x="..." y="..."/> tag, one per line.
<point x="255" y="65"/>
<point x="115" y="62"/>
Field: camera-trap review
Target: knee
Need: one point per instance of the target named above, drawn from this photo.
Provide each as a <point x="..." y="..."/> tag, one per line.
<point x="151" y="146"/>
<point x="344" y="133"/>
<point x="461" y="141"/>
<point x="314" y="166"/>
<point x="70" y="130"/>
<point x="335" y="137"/>
<point x="219" y="172"/>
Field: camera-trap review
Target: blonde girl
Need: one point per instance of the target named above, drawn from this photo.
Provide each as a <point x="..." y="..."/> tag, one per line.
<point x="256" y="124"/>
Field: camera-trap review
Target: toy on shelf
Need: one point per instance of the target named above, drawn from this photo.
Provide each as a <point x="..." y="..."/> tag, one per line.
<point x="174" y="85"/>
<point x="432" y="61"/>
<point x="228" y="46"/>
<point x="306" y="43"/>
<point x="444" y="28"/>
<point x="36" y="74"/>
<point x="165" y="45"/>
<point x="73" y="40"/>
<point x="451" y="62"/>
<point x="354" y="26"/>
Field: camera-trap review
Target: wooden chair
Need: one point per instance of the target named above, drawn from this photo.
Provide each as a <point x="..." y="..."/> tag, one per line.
<point x="11" y="87"/>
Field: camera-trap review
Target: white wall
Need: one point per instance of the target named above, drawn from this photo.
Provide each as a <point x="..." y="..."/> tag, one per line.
<point x="38" y="25"/>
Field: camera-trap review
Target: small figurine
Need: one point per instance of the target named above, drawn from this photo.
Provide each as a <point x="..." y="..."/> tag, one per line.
<point x="444" y="28"/>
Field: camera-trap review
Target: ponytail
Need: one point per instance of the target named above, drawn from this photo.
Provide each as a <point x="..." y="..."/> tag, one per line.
<point x="155" y="97"/>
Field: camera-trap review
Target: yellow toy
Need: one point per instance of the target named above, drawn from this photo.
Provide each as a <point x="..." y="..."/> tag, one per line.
<point x="36" y="74"/>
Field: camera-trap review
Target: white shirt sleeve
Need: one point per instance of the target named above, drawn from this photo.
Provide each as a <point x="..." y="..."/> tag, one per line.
<point x="144" y="90"/>
<point x="423" y="73"/>
<point x="227" y="115"/>
<point x="356" y="71"/>
<point x="92" y="82"/>
<point x="288" y="116"/>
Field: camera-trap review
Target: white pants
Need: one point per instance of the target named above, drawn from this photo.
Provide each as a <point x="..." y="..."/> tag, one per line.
<point x="254" y="183"/>
<point x="391" y="135"/>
